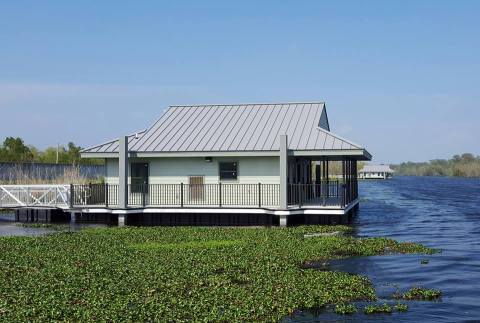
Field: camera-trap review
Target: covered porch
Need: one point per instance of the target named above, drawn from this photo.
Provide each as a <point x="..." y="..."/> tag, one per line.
<point x="307" y="179"/>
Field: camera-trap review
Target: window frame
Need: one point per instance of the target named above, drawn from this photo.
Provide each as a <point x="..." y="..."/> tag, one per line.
<point x="236" y="163"/>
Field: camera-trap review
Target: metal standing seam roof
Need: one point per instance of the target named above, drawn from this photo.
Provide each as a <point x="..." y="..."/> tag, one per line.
<point x="376" y="169"/>
<point x="242" y="127"/>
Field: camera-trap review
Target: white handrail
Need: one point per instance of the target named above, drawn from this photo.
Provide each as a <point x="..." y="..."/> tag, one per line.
<point x="12" y="196"/>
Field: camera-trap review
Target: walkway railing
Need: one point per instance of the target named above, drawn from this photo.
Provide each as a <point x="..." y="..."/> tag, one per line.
<point x="179" y="195"/>
<point x="34" y="195"/>
<point x="327" y="193"/>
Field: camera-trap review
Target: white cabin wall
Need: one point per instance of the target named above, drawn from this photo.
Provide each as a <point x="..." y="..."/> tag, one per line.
<point x="111" y="176"/>
<point x="175" y="170"/>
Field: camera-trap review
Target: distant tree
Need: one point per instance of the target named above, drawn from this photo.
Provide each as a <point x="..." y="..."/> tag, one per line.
<point x="73" y="153"/>
<point x="468" y="158"/>
<point x="15" y="150"/>
<point x="465" y="165"/>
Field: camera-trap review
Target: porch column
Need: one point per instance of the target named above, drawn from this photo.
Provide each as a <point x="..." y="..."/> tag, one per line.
<point x="123" y="173"/>
<point x="283" y="172"/>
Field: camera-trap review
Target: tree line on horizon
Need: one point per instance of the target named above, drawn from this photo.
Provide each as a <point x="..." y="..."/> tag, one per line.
<point x="14" y="150"/>
<point x="465" y="165"/>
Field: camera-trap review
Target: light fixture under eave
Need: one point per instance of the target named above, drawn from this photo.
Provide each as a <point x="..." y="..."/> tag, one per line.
<point x="208" y="159"/>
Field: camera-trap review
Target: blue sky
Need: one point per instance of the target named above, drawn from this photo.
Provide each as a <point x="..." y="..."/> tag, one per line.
<point x="399" y="77"/>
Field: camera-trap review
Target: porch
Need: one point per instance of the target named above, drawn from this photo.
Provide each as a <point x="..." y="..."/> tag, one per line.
<point x="323" y="194"/>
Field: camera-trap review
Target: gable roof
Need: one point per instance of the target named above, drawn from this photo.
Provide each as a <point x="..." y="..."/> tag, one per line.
<point x="112" y="145"/>
<point x="236" y="128"/>
<point x="376" y="169"/>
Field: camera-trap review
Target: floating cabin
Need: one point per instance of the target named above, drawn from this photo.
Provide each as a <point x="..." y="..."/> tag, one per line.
<point x="244" y="164"/>
<point x="376" y="172"/>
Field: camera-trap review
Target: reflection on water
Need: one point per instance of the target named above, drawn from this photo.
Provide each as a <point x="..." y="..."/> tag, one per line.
<point x="8" y="227"/>
<point x="442" y="213"/>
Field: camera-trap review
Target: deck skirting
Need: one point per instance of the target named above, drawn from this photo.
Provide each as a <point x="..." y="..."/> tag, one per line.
<point x="193" y="216"/>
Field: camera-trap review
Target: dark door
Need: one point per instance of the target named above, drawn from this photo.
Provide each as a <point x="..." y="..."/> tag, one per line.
<point x="139" y="176"/>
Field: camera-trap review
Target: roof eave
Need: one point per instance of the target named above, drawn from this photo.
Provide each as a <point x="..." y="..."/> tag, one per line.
<point x="358" y="154"/>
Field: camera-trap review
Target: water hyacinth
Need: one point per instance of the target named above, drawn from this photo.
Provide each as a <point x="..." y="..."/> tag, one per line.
<point x="377" y="309"/>
<point x="422" y="294"/>
<point x="180" y="273"/>
<point x="345" y="309"/>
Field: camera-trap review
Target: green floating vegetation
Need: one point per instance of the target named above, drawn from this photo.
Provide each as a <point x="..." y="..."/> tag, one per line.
<point x="378" y="309"/>
<point x="345" y="309"/>
<point x="422" y="294"/>
<point x="399" y="307"/>
<point x="180" y="273"/>
<point x="186" y="245"/>
<point x="52" y="226"/>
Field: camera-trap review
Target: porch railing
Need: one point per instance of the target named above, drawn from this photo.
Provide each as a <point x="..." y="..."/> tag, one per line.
<point x="325" y="193"/>
<point x="179" y="195"/>
<point x="331" y="193"/>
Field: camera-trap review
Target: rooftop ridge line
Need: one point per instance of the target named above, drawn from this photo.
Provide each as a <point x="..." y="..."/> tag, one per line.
<point x="243" y="104"/>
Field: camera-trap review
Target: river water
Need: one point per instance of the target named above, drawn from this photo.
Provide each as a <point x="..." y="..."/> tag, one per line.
<point x="442" y="213"/>
<point x="8" y="227"/>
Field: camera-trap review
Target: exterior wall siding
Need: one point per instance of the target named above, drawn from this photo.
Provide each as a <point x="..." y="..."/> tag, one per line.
<point x="169" y="170"/>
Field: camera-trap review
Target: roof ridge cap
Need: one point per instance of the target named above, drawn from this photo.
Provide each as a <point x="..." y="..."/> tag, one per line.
<point x="244" y="104"/>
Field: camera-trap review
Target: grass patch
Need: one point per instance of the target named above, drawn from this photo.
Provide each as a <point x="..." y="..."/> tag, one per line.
<point x="180" y="274"/>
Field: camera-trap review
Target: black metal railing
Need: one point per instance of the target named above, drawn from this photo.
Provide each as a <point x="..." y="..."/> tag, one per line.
<point x="214" y="195"/>
<point x="325" y="193"/>
<point x="93" y="194"/>
<point x="178" y="195"/>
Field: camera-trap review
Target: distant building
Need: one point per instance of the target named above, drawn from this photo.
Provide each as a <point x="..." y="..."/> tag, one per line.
<point x="376" y="172"/>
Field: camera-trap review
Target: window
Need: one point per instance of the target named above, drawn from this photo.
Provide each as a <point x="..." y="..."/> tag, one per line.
<point x="139" y="177"/>
<point x="228" y="170"/>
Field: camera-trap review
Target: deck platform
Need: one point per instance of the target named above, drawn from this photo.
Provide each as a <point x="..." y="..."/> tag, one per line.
<point x="55" y="203"/>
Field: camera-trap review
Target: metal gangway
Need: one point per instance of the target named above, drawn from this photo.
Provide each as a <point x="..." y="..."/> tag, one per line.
<point x="15" y="196"/>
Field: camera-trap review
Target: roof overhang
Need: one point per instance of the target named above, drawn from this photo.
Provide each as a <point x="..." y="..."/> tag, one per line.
<point x="358" y="154"/>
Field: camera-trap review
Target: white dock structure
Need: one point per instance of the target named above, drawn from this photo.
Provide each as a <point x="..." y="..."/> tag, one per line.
<point x="15" y="196"/>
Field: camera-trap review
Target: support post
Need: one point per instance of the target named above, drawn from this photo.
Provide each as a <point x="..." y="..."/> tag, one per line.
<point x="144" y="194"/>
<point x="220" y="194"/>
<point x="123" y="173"/>
<point x="72" y="195"/>
<point x="106" y="195"/>
<point x="73" y="217"/>
<point x="121" y="220"/>
<point x="328" y="179"/>
<point x="259" y="195"/>
<point x="283" y="172"/>
<point x="181" y="194"/>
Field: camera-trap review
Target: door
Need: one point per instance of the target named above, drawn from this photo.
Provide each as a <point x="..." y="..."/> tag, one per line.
<point x="196" y="187"/>
<point x="139" y="177"/>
